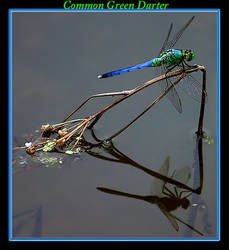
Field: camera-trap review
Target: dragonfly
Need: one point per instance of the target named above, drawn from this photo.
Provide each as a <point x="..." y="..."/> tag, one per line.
<point x="162" y="196"/>
<point x="168" y="59"/>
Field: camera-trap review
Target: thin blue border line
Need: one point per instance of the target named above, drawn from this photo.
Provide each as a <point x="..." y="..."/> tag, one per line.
<point x="218" y="123"/>
<point x="115" y="10"/>
<point x="10" y="130"/>
<point x="114" y="238"/>
<point x="118" y="239"/>
<point x="10" y="124"/>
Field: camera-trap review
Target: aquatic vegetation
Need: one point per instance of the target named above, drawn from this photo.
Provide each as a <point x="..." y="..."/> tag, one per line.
<point x="49" y="146"/>
<point x="60" y="137"/>
<point x="207" y="138"/>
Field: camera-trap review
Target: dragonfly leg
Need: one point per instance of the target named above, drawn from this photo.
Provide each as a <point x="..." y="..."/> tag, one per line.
<point x="176" y="192"/>
<point x="171" y="68"/>
<point x="185" y="191"/>
<point x="168" y="193"/>
<point x="165" y="188"/>
<point x="186" y="64"/>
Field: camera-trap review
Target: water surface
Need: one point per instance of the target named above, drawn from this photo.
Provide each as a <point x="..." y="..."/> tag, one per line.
<point x="56" y="60"/>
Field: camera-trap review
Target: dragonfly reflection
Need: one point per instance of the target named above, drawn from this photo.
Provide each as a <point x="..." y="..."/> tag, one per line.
<point x="166" y="199"/>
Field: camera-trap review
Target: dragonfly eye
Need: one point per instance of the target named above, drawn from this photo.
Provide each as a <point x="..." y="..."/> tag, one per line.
<point x="189" y="55"/>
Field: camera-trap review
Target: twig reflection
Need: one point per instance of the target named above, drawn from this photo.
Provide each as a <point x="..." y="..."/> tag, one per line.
<point x="118" y="156"/>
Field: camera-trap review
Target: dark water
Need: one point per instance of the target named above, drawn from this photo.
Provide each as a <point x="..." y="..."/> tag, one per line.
<point x="56" y="58"/>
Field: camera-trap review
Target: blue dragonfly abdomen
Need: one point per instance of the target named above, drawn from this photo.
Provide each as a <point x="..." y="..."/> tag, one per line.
<point x="129" y="69"/>
<point x="169" y="58"/>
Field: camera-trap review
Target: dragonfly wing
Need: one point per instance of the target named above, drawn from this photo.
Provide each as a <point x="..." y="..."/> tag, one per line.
<point x="177" y="36"/>
<point x="173" y="220"/>
<point x="172" y="95"/>
<point x="166" y="40"/>
<point x="165" y="167"/>
<point x="183" y="175"/>
<point x="191" y="87"/>
<point x="157" y="184"/>
<point x="169" y="217"/>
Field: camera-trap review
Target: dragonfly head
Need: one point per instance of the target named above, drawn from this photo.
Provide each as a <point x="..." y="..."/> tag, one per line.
<point x="185" y="203"/>
<point x="188" y="54"/>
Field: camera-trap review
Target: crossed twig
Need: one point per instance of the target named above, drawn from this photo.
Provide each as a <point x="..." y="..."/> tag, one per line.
<point x="79" y="125"/>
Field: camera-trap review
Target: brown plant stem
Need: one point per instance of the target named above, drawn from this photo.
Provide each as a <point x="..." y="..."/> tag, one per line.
<point x="204" y="93"/>
<point x="129" y="93"/>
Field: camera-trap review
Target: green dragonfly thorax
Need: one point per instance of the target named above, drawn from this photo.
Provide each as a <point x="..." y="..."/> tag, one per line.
<point x="172" y="57"/>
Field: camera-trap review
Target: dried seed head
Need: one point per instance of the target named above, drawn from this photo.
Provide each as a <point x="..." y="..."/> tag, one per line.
<point x="61" y="142"/>
<point x="47" y="130"/>
<point x="31" y="150"/>
<point x="62" y="132"/>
